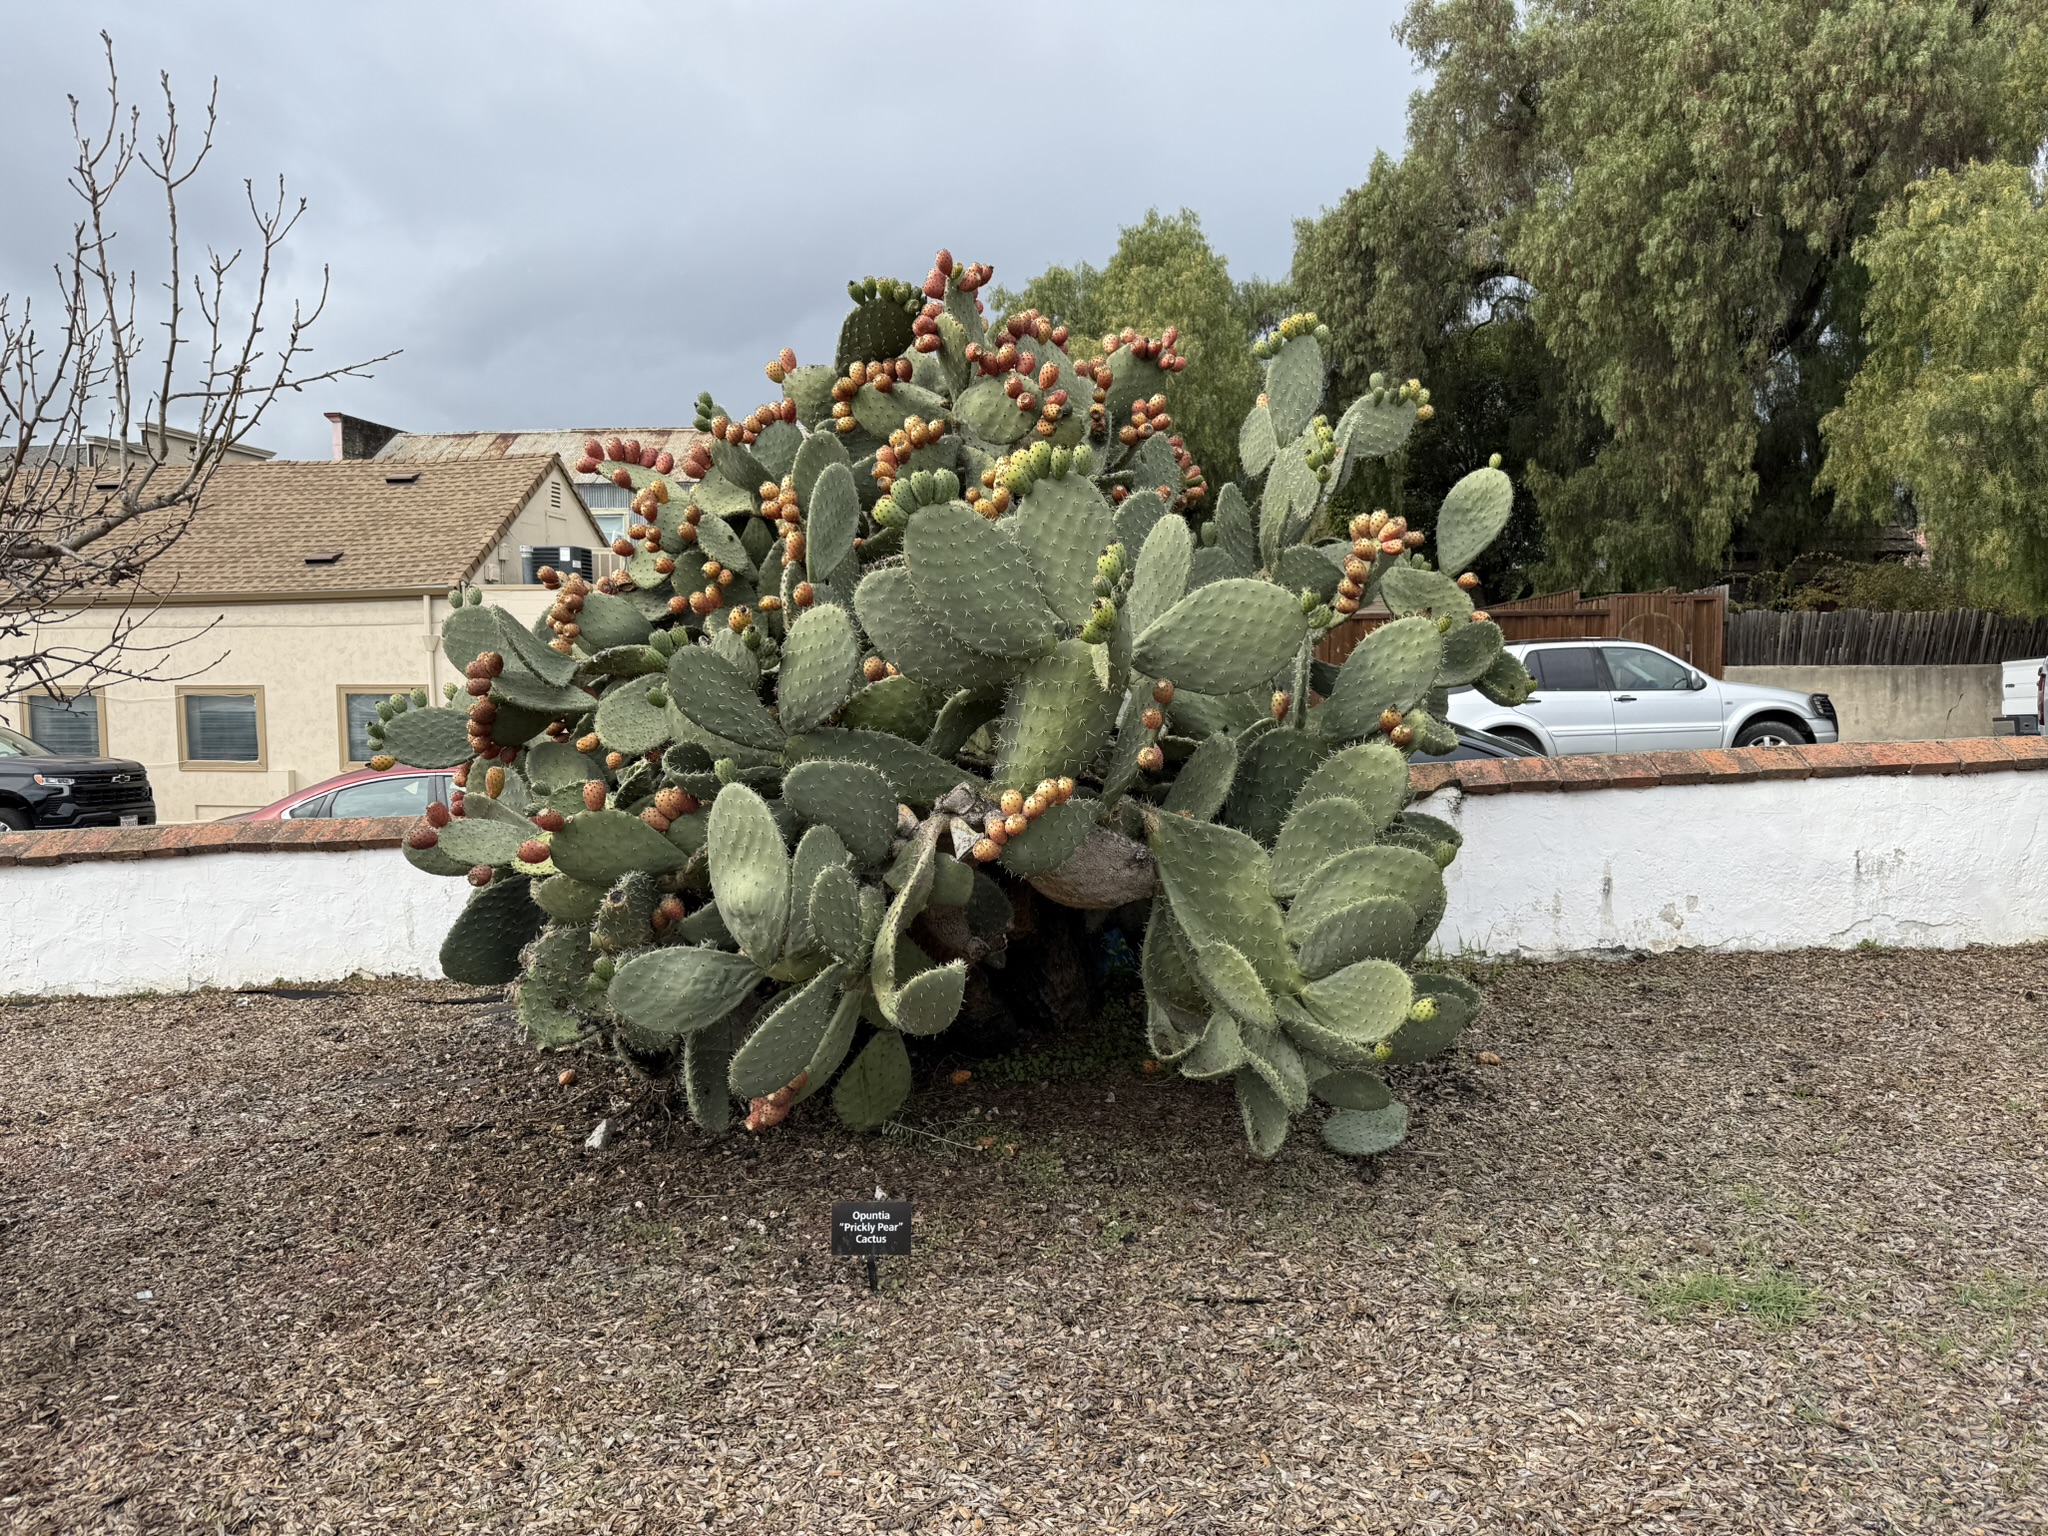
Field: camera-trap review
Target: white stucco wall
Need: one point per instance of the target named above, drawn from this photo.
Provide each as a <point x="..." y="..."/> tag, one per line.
<point x="110" y="927"/>
<point x="1937" y="861"/>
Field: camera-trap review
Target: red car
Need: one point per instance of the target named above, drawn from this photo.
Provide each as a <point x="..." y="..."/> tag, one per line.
<point x="398" y="791"/>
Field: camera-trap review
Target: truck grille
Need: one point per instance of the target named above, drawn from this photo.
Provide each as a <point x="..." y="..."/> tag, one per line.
<point x="104" y="794"/>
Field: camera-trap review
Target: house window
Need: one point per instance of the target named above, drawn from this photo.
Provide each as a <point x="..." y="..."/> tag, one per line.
<point x="220" y="728"/>
<point x="358" y="710"/>
<point x="70" y="727"/>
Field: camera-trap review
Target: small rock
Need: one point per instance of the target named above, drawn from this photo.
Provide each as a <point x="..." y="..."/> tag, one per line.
<point x="145" y="1295"/>
<point x="1489" y="1058"/>
<point x="600" y="1138"/>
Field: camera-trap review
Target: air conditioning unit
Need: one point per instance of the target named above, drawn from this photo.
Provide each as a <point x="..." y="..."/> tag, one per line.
<point x="563" y="557"/>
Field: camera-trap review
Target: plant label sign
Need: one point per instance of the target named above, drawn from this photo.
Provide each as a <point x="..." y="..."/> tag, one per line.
<point x="866" y="1229"/>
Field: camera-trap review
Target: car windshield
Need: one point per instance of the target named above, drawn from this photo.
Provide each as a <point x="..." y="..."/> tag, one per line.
<point x="14" y="744"/>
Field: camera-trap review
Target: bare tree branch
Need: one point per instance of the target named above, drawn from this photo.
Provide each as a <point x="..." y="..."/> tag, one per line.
<point x="84" y="513"/>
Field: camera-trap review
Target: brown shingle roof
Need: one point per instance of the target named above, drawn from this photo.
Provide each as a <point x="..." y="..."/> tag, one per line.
<point x="442" y="447"/>
<point x="258" y="522"/>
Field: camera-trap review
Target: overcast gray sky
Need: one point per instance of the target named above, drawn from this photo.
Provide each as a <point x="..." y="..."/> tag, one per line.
<point x="582" y="214"/>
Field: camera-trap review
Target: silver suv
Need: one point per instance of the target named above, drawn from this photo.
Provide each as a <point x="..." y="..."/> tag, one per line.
<point x="1622" y="696"/>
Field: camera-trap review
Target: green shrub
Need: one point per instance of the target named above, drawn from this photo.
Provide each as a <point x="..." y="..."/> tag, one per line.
<point x="952" y="616"/>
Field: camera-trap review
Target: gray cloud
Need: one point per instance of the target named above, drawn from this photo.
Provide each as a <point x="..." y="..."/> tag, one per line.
<point x="585" y="214"/>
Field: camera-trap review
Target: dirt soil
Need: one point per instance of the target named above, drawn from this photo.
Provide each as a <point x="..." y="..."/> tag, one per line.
<point x="1724" y="1243"/>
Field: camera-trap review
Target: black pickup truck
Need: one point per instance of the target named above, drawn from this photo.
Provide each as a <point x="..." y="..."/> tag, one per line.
<point x="41" y="791"/>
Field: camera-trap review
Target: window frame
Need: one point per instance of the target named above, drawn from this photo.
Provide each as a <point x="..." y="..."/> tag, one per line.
<point x="187" y="763"/>
<point x="1618" y="686"/>
<point x="341" y="693"/>
<point x="1603" y="679"/>
<point x="438" y="790"/>
<point x="97" y="695"/>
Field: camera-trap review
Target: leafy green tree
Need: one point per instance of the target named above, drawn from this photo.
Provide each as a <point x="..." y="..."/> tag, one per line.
<point x="1675" y="188"/>
<point x="1164" y="273"/>
<point x="1950" y="408"/>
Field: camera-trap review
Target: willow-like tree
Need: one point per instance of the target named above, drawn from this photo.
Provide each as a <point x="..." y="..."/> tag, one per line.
<point x="1672" y="193"/>
<point x="1950" y="409"/>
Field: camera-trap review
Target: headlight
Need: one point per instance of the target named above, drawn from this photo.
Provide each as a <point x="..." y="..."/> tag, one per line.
<point x="54" y="783"/>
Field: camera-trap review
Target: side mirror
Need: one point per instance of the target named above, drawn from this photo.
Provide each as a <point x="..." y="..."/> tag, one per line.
<point x="1699" y="681"/>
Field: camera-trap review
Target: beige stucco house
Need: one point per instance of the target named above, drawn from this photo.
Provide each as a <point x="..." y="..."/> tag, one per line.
<point x="301" y="594"/>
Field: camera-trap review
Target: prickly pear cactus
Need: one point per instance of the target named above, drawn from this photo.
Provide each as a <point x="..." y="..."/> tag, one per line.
<point x="955" y="615"/>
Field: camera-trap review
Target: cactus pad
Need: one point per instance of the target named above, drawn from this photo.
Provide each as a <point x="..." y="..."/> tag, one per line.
<point x="597" y="847"/>
<point x="1264" y="1112"/>
<point x="1363" y="873"/>
<point x="1294" y="385"/>
<point x="749" y="872"/>
<point x="897" y="706"/>
<point x="1474" y="512"/>
<point x="1366" y="1132"/>
<point x="483" y="943"/>
<point x="1228" y="980"/>
<point x="1375" y="928"/>
<point x="1161" y="577"/>
<point x="1205" y="780"/>
<point x="628" y="723"/>
<point x="1216" y="880"/>
<point x="1218" y="1053"/>
<point x="1228" y="637"/>
<point x="877" y="1084"/>
<point x="1257" y="441"/>
<point x="787" y="1037"/>
<point x="1055" y="719"/>
<point x="852" y="799"/>
<point x="913" y="773"/>
<point x="429" y="738"/>
<point x="670" y="992"/>
<point x="905" y="633"/>
<point x="819" y="659"/>
<point x="1392" y="668"/>
<point x="1270" y="773"/>
<point x="1457" y="1004"/>
<point x="1469" y="650"/>
<point x="1316" y="831"/>
<point x="973" y="578"/>
<point x="1410" y="589"/>
<point x="1053" y="839"/>
<point x="1352" y="1090"/>
<point x="1062" y="526"/>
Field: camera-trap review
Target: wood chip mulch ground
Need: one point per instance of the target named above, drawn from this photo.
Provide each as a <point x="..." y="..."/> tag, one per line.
<point x="1725" y="1243"/>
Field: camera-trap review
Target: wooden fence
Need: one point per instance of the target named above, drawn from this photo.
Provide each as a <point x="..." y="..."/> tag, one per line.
<point x="1856" y="637"/>
<point x="1687" y="624"/>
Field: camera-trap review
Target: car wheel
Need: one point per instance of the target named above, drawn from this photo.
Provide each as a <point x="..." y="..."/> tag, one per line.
<point x="13" y="821"/>
<point x="1523" y="739"/>
<point x="1771" y="733"/>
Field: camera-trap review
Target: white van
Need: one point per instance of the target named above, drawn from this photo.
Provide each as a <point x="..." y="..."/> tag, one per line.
<point x="2022" y="696"/>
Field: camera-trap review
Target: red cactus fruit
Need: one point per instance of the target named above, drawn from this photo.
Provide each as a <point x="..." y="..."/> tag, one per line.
<point x="533" y="851"/>
<point x="593" y="796"/>
<point x="422" y="836"/>
<point x="480" y="876"/>
<point x="549" y="820"/>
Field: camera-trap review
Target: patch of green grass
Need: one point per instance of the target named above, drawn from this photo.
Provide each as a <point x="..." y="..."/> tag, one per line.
<point x="1773" y="1299"/>
<point x="2004" y="1295"/>
<point x="1869" y="947"/>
